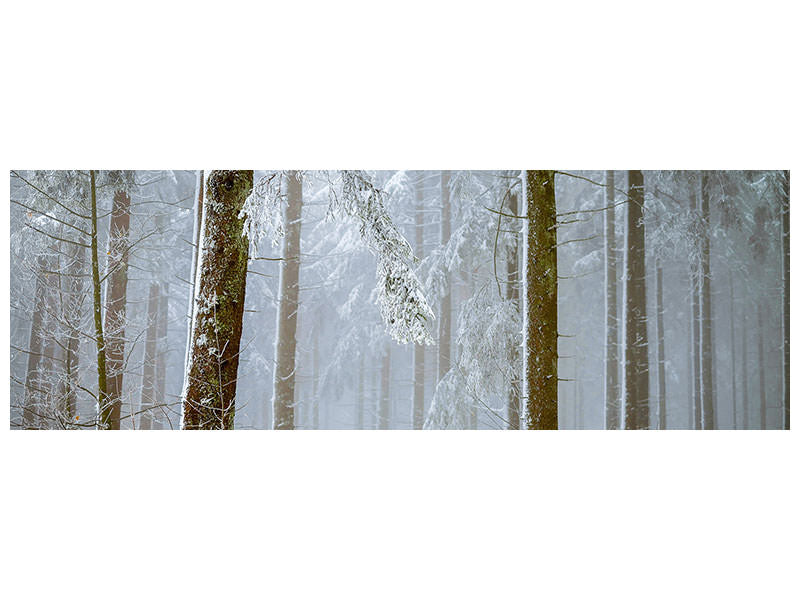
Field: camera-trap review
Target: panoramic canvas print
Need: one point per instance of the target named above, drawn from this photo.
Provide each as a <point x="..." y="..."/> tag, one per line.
<point x="416" y="299"/>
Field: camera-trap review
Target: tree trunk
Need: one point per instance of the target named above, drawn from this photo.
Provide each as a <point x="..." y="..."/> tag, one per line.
<point x="197" y="230"/>
<point x="636" y="383"/>
<point x="612" y="319"/>
<point x="512" y="294"/>
<point x="662" y="378"/>
<point x="75" y="274"/>
<point x="160" y="414"/>
<point x="786" y="289"/>
<point x="383" y="406"/>
<point x="762" y="392"/>
<point x="31" y="408"/>
<point x="286" y="341"/>
<point x="149" y="367"/>
<point x="104" y="407"/>
<point x="209" y="401"/>
<point x="695" y="291"/>
<point x="705" y="307"/>
<point x="733" y="348"/>
<point x="745" y="383"/>
<point x="540" y="312"/>
<point x="445" y="312"/>
<point x="116" y="298"/>
<point x="418" y="409"/>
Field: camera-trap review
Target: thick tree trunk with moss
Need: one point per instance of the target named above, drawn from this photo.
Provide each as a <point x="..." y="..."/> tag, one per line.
<point x="786" y="289"/>
<point x="541" y="302"/>
<point x="512" y="294"/>
<point x="104" y="407"/>
<point x="445" y="310"/>
<point x="707" y="354"/>
<point x="116" y="300"/>
<point x="289" y="285"/>
<point x="612" y="318"/>
<point x="636" y="381"/>
<point x="209" y="400"/>
<point x="662" y="376"/>
<point x="149" y="366"/>
<point x="418" y="408"/>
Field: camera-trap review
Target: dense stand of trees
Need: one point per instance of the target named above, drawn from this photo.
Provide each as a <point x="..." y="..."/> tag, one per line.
<point x="291" y="299"/>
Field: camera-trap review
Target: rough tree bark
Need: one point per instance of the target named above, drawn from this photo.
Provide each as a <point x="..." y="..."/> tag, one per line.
<point x="289" y="285"/>
<point x="786" y="289"/>
<point x="707" y="354"/>
<point x="104" y="407"/>
<point x="540" y="313"/>
<point x="116" y="300"/>
<point x="418" y="408"/>
<point x="209" y="400"/>
<point x="612" y="318"/>
<point x="149" y="366"/>
<point x="662" y="378"/>
<point x="446" y="307"/>
<point x="512" y="294"/>
<point x="636" y="381"/>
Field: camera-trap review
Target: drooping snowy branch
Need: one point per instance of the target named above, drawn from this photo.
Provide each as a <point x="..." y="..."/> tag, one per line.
<point x="262" y="214"/>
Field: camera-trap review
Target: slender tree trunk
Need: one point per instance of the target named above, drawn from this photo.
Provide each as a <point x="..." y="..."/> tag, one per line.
<point x="75" y="274"/>
<point x="689" y="376"/>
<point x="636" y="383"/>
<point x="360" y="405"/>
<point x="418" y="409"/>
<point x="745" y="383"/>
<point x="209" y="401"/>
<point x="612" y="319"/>
<point x="786" y="289"/>
<point x="286" y="341"/>
<point x="160" y="397"/>
<point x="705" y="308"/>
<point x="149" y="367"/>
<point x="695" y="291"/>
<point x="512" y="293"/>
<point x="104" y="407"/>
<point x="197" y="230"/>
<point x="445" y="315"/>
<point x="31" y="408"/>
<point x="733" y="348"/>
<point x="383" y="406"/>
<point x="662" y="377"/>
<point x="540" y="312"/>
<point x="762" y="392"/>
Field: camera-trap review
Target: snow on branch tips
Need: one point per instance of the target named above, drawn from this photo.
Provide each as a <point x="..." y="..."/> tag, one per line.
<point x="404" y="308"/>
<point x="262" y="212"/>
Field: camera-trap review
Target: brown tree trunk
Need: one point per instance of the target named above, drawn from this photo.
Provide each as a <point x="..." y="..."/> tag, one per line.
<point x="637" y="384"/>
<point x="209" y="401"/>
<point x="512" y="293"/>
<point x="149" y="367"/>
<point x="116" y="298"/>
<point x="104" y="407"/>
<point x="541" y="302"/>
<point x="612" y="318"/>
<point x="289" y="285"/>
<point x="709" y="421"/>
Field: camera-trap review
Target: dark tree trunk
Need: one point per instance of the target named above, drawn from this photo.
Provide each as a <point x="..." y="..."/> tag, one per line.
<point x="612" y="318"/>
<point x="637" y="384"/>
<point x="209" y="401"/>
<point x="116" y="299"/>
<point x="707" y="387"/>
<point x="662" y="378"/>
<point x="512" y="293"/>
<point x="286" y="341"/>
<point x="149" y="366"/>
<point x="104" y="407"/>
<point x="541" y="302"/>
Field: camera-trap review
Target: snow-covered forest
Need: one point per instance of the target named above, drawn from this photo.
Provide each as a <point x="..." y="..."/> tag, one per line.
<point x="399" y="299"/>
